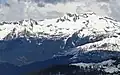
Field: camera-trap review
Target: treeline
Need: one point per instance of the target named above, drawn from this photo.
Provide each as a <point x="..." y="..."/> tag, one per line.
<point x="71" y="70"/>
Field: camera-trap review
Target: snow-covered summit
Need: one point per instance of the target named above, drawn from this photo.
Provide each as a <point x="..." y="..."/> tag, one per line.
<point x="102" y="32"/>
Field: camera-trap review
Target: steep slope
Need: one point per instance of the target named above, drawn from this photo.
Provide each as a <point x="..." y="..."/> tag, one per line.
<point x="27" y="41"/>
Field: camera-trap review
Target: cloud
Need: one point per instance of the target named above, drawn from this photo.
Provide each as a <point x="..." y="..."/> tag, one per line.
<point x="115" y="9"/>
<point x="103" y="0"/>
<point x="24" y="9"/>
<point x="41" y="9"/>
<point x="111" y="8"/>
<point x="52" y="1"/>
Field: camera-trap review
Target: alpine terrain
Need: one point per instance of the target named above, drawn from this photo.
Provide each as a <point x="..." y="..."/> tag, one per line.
<point x="80" y="43"/>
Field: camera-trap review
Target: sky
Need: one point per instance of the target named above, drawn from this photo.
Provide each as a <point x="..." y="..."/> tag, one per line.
<point x="12" y="10"/>
<point x="3" y="1"/>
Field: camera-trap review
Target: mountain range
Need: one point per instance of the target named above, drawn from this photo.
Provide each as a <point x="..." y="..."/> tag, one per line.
<point x="31" y="45"/>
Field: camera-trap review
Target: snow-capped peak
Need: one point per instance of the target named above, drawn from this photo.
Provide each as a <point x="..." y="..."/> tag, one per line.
<point x="99" y="30"/>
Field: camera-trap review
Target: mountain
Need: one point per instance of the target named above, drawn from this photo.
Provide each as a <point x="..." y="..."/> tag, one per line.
<point x="101" y="68"/>
<point x="32" y="45"/>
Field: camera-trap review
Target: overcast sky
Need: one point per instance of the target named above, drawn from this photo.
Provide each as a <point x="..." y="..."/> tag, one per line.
<point x="41" y="9"/>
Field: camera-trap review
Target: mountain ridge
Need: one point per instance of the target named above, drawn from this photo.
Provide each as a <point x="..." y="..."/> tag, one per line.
<point x="70" y="33"/>
<point x="33" y="45"/>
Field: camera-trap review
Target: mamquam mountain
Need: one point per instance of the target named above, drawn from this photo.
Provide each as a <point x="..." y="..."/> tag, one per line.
<point x="74" y="44"/>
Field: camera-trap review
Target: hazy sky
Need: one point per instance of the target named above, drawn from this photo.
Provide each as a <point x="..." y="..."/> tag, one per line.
<point x="3" y="1"/>
<point x="41" y="9"/>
